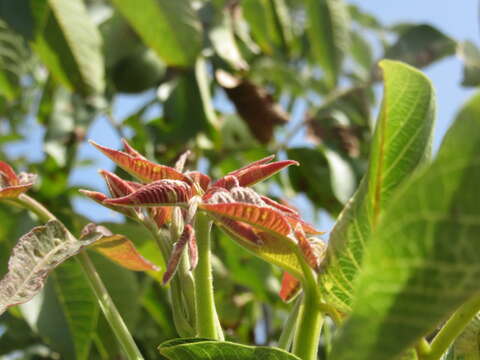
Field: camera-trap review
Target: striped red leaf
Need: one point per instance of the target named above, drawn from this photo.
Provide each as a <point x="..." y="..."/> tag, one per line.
<point x="177" y="252"/>
<point x="255" y="172"/>
<point x="261" y="217"/>
<point x="158" y="193"/>
<point x="139" y="167"/>
<point x="11" y="185"/>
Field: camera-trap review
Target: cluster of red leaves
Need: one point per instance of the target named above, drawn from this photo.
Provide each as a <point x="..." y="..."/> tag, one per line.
<point x="11" y="184"/>
<point x="229" y="201"/>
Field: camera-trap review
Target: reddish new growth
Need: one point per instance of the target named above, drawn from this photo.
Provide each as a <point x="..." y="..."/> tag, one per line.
<point x="11" y="184"/>
<point x="240" y="211"/>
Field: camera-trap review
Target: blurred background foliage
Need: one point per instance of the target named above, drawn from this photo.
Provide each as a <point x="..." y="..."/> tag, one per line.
<point x="226" y="79"/>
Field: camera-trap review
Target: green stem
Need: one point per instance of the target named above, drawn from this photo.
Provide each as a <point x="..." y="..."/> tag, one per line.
<point x="309" y="327"/>
<point x="453" y="327"/>
<point x="106" y="303"/>
<point x="286" y="337"/>
<point x="182" y="311"/>
<point x="310" y="318"/>
<point x="206" y="313"/>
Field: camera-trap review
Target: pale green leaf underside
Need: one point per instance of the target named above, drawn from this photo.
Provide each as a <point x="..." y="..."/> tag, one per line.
<point x="401" y="143"/>
<point x="171" y="28"/>
<point x="424" y="260"/>
<point x="198" y="349"/>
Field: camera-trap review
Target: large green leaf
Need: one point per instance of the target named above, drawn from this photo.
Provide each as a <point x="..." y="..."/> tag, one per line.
<point x="65" y="312"/>
<point x="171" y="28"/>
<point x="421" y="45"/>
<point x="401" y="142"/>
<point x="424" y="259"/>
<point x="198" y="349"/>
<point x="69" y="44"/>
<point x="327" y="31"/>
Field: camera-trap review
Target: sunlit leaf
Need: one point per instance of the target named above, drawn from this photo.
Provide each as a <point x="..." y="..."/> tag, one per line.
<point x="423" y="260"/>
<point x="401" y="143"/>
<point x="183" y="349"/>
<point x="470" y="54"/>
<point x="263" y="218"/>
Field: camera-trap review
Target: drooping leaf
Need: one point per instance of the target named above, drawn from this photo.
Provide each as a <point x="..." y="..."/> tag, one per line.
<point x="183" y="349"/>
<point x="420" y="46"/>
<point x="70" y="46"/>
<point x="470" y="54"/>
<point x="117" y="248"/>
<point x="35" y="255"/>
<point x="401" y="143"/>
<point x="327" y="31"/>
<point x="171" y="28"/>
<point x="423" y="260"/>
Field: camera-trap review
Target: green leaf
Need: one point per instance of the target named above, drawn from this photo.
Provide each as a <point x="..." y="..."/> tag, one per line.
<point x="362" y="53"/>
<point x="400" y="144"/>
<point x="186" y="349"/>
<point x="265" y="25"/>
<point x="171" y="28"/>
<point x="420" y="46"/>
<point x="185" y="99"/>
<point x="70" y="46"/>
<point x="65" y="312"/>
<point x="467" y="345"/>
<point x="470" y="54"/>
<point x="314" y="178"/>
<point x="424" y="260"/>
<point x="327" y="31"/>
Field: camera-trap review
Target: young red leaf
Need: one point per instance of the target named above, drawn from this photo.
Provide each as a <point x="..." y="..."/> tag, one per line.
<point x="307" y="248"/>
<point x="11" y="185"/>
<point x="256" y="172"/>
<point x="278" y="206"/>
<point x="192" y="251"/>
<point x="180" y="163"/>
<point x="117" y="186"/>
<point x="177" y="252"/>
<point x="261" y="217"/>
<point x="307" y="228"/>
<point x="7" y="174"/>
<point x="117" y="248"/>
<point x="240" y="230"/>
<point x="158" y="193"/>
<point x="199" y="178"/>
<point x="162" y="215"/>
<point x="139" y="167"/>
<point x="290" y="287"/>
<point x="130" y="150"/>
<point x="100" y="198"/>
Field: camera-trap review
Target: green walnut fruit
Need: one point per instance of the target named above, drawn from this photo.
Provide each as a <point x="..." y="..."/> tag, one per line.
<point x="138" y="72"/>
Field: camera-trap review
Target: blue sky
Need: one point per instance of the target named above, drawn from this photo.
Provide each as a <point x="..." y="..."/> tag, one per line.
<point x="458" y="19"/>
